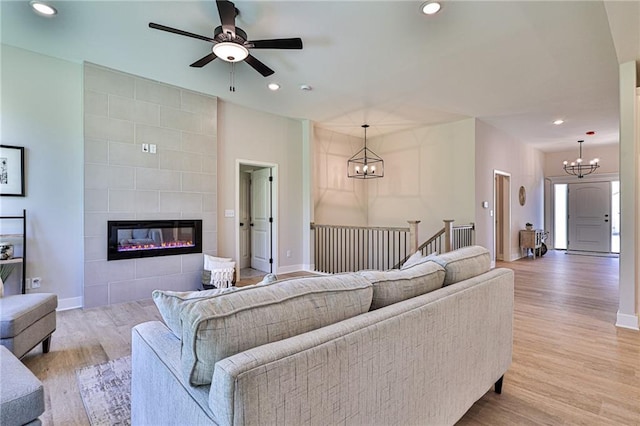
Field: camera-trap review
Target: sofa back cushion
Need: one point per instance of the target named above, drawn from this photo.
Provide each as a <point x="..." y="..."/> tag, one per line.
<point x="171" y="303"/>
<point x="217" y="327"/>
<point x="396" y="285"/>
<point x="464" y="263"/>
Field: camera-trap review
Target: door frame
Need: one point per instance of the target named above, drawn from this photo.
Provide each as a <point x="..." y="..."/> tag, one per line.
<point x="274" y="209"/>
<point x="600" y="177"/>
<point x="506" y="225"/>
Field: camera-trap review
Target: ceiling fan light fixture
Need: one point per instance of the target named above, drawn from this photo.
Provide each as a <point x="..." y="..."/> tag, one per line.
<point x="430" y="7"/>
<point x="230" y="51"/>
<point x="43" y="8"/>
<point x="273" y="86"/>
<point x="558" y="122"/>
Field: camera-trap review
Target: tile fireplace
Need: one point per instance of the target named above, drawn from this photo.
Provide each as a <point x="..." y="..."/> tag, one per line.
<point x="132" y="239"/>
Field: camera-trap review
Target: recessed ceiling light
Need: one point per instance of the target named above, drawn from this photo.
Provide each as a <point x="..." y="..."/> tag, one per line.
<point x="558" y="122"/>
<point x="43" y="8"/>
<point x="430" y="7"/>
<point x="273" y="86"/>
<point x="305" y="87"/>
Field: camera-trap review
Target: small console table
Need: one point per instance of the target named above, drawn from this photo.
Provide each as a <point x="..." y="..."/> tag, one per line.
<point x="531" y="239"/>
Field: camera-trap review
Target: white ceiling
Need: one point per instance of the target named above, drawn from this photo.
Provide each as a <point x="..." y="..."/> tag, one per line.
<point x="517" y="65"/>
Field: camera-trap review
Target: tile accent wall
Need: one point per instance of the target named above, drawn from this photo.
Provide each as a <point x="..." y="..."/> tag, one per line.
<point x="121" y="112"/>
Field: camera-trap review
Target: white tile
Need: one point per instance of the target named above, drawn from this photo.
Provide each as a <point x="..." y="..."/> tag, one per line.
<point x="180" y="120"/>
<point x="209" y="241"/>
<point x="95" y="296"/>
<point x="96" y="151"/>
<point x="133" y="110"/>
<point x="96" y="176"/>
<point x="199" y="103"/>
<point x="121" y="200"/>
<point x="158" y="266"/>
<point x="198" y="182"/>
<point x="96" y="127"/>
<point x="182" y="161"/>
<point x="121" y="177"/>
<point x="96" y="200"/>
<point x="146" y="201"/>
<point x="95" y="248"/>
<point x="95" y="224"/>
<point x="96" y="103"/>
<point x="209" y="221"/>
<point x="105" y="80"/>
<point x="165" y="180"/>
<point x="192" y="262"/>
<point x="159" y="216"/>
<point x="182" y="202"/>
<point x="209" y="202"/>
<point x="120" y="270"/>
<point x="210" y="126"/>
<point x="128" y="291"/>
<point x="163" y="138"/>
<point x="198" y="143"/>
<point x="157" y="93"/>
<point x="121" y="154"/>
<point x="95" y="273"/>
<point x="209" y="164"/>
<point x="190" y="281"/>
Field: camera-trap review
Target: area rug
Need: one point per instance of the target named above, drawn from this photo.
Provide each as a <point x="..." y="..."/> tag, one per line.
<point x="106" y="392"/>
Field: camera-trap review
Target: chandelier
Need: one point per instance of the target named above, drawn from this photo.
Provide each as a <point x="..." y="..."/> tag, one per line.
<point x="365" y="164"/>
<point x="579" y="167"/>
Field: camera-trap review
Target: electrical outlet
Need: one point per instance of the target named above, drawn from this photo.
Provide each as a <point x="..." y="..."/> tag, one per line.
<point x="36" y="282"/>
<point x="288" y="253"/>
<point x="27" y="283"/>
<point x="145" y="147"/>
<point x="152" y="148"/>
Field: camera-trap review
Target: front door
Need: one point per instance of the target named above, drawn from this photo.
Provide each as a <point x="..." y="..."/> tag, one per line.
<point x="261" y="220"/>
<point x="590" y="217"/>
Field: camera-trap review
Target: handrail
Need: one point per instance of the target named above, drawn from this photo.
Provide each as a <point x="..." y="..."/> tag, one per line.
<point x="380" y="228"/>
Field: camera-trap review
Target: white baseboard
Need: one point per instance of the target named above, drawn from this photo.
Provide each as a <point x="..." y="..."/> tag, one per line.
<point x="627" y="321"/>
<point x="291" y="268"/>
<point x="70" y="303"/>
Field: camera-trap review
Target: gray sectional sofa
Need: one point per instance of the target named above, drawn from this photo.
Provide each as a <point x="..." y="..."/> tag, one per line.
<point x="413" y="346"/>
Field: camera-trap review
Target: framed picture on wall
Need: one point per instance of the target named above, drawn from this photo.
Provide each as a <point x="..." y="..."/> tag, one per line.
<point x="11" y="171"/>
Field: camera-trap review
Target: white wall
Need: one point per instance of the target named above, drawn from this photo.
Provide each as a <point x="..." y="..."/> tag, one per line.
<point x="253" y="136"/>
<point x="42" y="111"/>
<point x="609" y="156"/>
<point x="429" y="176"/>
<point x="495" y="150"/>
<point x="338" y="200"/>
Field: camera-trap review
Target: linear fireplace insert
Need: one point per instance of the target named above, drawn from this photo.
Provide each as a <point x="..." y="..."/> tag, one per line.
<point x="132" y="239"/>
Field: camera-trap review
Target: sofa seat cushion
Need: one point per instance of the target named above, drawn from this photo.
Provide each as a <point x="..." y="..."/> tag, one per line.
<point x="396" y="285"/>
<point x="464" y="263"/>
<point x="171" y="303"/>
<point x="21" y="393"/>
<point x="20" y="311"/>
<point x="215" y="328"/>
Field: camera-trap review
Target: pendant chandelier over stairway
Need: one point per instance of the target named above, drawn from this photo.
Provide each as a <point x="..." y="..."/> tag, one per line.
<point x="578" y="167"/>
<point x="365" y="164"/>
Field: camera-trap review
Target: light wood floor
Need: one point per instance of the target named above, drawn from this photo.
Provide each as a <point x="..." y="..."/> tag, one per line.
<point x="571" y="365"/>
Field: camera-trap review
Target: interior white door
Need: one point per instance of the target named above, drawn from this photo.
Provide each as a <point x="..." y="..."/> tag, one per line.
<point x="260" y="220"/>
<point x="589" y="218"/>
<point x="245" y="219"/>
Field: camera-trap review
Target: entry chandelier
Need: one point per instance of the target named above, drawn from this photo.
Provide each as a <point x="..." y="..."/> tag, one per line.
<point x="365" y="164"/>
<point x="579" y="168"/>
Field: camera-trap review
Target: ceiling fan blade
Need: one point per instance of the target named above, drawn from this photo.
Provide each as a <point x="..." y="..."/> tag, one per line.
<point x="180" y="32"/>
<point x="204" y="61"/>
<point x="259" y="66"/>
<point x="278" y="43"/>
<point x="227" y="12"/>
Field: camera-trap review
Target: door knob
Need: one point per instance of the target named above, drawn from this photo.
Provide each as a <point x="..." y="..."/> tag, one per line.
<point x="606" y="220"/>
<point x="241" y="223"/>
<point x="251" y="224"/>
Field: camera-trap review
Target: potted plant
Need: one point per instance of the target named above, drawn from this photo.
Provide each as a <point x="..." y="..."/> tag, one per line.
<point x="529" y="226"/>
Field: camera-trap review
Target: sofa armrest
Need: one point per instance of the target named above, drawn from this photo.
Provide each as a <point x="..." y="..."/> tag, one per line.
<point x="159" y="395"/>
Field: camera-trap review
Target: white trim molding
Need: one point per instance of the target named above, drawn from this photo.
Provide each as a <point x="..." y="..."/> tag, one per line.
<point x="69" y="303"/>
<point x="628" y="321"/>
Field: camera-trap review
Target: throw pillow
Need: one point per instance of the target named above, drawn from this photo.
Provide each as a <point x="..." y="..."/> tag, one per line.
<point x="252" y="316"/>
<point x="396" y="285"/>
<point x="210" y="261"/>
<point x="171" y="303"/>
<point x="412" y="260"/>
<point x="269" y="278"/>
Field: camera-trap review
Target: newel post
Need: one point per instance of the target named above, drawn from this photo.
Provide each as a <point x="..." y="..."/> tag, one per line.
<point x="448" y="235"/>
<point x="413" y="235"/>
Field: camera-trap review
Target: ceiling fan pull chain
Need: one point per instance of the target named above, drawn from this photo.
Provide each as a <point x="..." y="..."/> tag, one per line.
<point x="232" y="83"/>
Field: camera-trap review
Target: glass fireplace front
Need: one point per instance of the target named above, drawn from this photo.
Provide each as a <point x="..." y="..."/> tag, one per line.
<point x="132" y="239"/>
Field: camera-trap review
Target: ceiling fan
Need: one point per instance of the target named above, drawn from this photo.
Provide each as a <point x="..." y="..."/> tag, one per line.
<point x="231" y="44"/>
